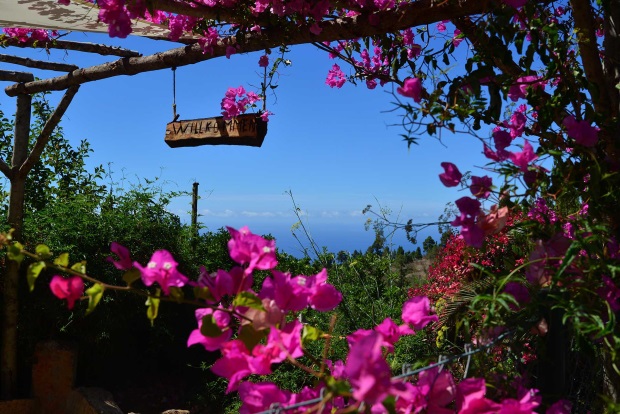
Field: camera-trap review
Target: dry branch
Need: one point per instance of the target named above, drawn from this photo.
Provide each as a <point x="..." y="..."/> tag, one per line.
<point x="5" y="169"/>
<point x="48" y="128"/>
<point x="69" y="45"/>
<point x="12" y="76"/>
<point x="37" y="64"/>
<point x="414" y="14"/>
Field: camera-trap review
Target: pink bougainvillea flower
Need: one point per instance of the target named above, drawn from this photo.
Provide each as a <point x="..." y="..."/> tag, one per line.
<point x="560" y="407"/>
<point x="162" y="268"/>
<point x="391" y="332"/>
<point x="581" y="131"/>
<point x="481" y="186"/>
<point x="223" y="283"/>
<point x="335" y="77"/>
<point x="519" y="292"/>
<point x="438" y="388"/>
<point x="323" y="296"/>
<point x="63" y="2"/>
<point x="71" y="288"/>
<point x="417" y="312"/>
<point x="233" y="365"/>
<point x="115" y="15"/>
<point x="470" y="398"/>
<point x="230" y="50"/>
<point x="367" y="370"/>
<point x="257" y="397"/>
<point x="469" y="207"/>
<point x="412" y="88"/>
<point x="524" y="405"/>
<point x="472" y="234"/>
<point x="522" y="159"/>
<point x="610" y="292"/>
<point x="451" y="177"/>
<point x="285" y="342"/>
<point x="289" y="293"/>
<point x="493" y="222"/>
<point x="222" y="319"/>
<point x="263" y="61"/>
<point x="501" y="138"/>
<point x="519" y="89"/>
<point x="265" y="115"/>
<point x="250" y="249"/>
<point x="517" y="123"/>
<point x="122" y="252"/>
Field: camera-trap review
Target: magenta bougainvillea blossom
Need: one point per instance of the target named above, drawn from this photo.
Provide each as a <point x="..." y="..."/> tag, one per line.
<point x="522" y="159"/>
<point x="412" y="88"/>
<point x="417" y="312"/>
<point x="247" y="248"/>
<point x="519" y="88"/>
<point x="236" y="101"/>
<point x="367" y="370"/>
<point x="211" y="343"/>
<point x="481" y="186"/>
<point x="335" y="77"/>
<point x="451" y="177"/>
<point x="70" y="288"/>
<point x="124" y="262"/>
<point x="161" y="269"/>
<point x="581" y="131"/>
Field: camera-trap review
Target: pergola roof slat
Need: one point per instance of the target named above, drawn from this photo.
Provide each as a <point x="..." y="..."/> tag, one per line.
<point x="37" y="64"/>
<point x="13" y="76"/>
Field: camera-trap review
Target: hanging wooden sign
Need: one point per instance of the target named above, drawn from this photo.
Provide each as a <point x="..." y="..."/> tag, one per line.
<point x="247" y="129"/>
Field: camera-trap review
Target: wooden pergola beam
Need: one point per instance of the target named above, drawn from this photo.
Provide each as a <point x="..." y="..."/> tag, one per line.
<point x="414" y="14"/>
<point x="13" y="76"/>
<point x="46" y="132"/>
<point x="37" y="64"/>
<point x="103" y="50"/>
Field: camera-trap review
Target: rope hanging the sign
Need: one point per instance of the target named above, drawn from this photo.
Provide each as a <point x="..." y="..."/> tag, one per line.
<point x="175" y="116"/>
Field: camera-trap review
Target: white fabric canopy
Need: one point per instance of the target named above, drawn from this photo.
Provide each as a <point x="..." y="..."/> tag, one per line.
<point x="79" y="15"/>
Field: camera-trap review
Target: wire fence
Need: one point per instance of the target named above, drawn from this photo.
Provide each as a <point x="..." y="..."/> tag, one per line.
<point x="469" y="351"/>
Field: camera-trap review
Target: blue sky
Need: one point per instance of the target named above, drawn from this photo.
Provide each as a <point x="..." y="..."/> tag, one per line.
<point x="334" y="149"/>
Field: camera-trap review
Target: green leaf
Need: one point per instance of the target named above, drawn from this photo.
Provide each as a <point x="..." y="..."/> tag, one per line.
<point x="14" y="252"/>
<point x="43" y="251"/>
<point x="246" y="299"/>
<point x="250" y="336"/>
<point x="80" y="267"/>
<point x="62" y="260"/>
<point x="209" y="328"/>
<point x="309" y="334"/>
<point x="95" y="293"/>
<point x="131" y="276"/>
<point x="203" y="293"/>
<point x="153" y="307"/>
<point x="33" y="273"/>
<point x="336" y="386"/>
<point x="176" y="293"/>
<point x="390" y="404"/>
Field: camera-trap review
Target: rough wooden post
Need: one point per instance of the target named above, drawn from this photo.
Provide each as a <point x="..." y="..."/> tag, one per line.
<point x="53" y="376"/>
<point x="194" y="212"/>
<point x="8" y="368"/>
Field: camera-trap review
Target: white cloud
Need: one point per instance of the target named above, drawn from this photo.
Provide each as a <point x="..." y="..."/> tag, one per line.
<point x="258" y="214"/>
<point x="224" y="213"/>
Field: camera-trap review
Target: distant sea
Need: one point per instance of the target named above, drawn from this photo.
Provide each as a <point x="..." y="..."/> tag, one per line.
<point x="335" y="237"/>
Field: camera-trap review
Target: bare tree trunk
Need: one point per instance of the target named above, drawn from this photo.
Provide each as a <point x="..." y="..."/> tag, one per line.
<point x="8" y="352"/>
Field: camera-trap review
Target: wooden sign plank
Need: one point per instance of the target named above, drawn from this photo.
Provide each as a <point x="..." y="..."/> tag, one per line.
<point x="247" y="129"/>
